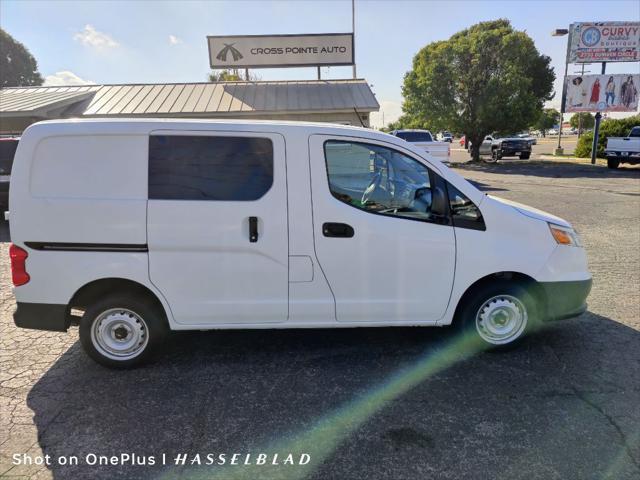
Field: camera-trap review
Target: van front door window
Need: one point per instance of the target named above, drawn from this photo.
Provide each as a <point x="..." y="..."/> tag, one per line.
<point x="378" y="179"/>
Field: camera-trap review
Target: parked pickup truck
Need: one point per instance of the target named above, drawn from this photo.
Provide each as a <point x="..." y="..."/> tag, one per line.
<point x="623" y="150"/>
<point x="509" y="146"/>
<point x="424" y="140"/>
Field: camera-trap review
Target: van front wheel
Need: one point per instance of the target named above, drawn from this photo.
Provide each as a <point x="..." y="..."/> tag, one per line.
<point x="498" y="314"/>
<point x="122" y="331"/>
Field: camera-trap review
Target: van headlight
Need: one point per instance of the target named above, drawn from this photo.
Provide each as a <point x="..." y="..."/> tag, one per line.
<point x="565" y="236"/>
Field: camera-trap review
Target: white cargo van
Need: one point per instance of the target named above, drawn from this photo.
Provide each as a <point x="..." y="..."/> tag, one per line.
<point x="146" y="226"/>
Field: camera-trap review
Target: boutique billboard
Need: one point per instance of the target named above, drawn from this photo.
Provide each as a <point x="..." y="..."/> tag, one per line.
<point x="604" y="42"/>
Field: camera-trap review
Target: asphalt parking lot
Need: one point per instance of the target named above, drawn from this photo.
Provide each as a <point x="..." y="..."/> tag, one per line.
<point x="364" y="403"/>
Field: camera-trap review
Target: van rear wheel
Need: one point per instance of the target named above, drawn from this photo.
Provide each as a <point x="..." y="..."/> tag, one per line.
<point x="122" y="331"/>
<point x="499" y="314"/>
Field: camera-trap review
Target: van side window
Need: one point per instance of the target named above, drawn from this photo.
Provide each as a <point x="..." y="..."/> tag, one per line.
<point x="464" y="212"/>
<point x="185" y="167"/>
<point x="378" y="179"/>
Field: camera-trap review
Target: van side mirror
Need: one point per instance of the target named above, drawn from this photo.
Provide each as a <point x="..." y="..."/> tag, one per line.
<point x="439" y="202"/>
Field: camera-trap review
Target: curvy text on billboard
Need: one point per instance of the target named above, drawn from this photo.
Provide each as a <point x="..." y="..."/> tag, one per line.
<point x="604" y="42"/>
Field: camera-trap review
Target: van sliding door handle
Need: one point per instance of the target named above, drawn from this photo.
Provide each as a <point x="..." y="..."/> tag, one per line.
<point x="253" y="229"/>
<point x="342" y="230"/>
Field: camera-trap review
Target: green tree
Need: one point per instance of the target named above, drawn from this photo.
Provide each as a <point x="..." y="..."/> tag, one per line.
<point x="18" y="68"/>
<point x="587" y="120"/>
<point x="546" y="120"/>
<point x="232" y="75"/>
<point x="486" y="78"/>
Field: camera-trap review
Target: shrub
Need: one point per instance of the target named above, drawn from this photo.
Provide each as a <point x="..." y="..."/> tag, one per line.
<point x="612" y="127"/>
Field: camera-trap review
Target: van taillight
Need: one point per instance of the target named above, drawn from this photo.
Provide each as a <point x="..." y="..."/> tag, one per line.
<point x="19" y="273"/>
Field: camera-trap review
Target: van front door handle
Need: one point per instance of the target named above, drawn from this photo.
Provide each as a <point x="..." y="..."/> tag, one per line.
<point x="253" y="229"/>
<point x="340" y="230"/>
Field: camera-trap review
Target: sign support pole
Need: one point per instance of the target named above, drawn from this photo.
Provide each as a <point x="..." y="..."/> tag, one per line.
<point x="353" y="31"/>
<point x="596" y="128"/>
<point x="559" y="149"/>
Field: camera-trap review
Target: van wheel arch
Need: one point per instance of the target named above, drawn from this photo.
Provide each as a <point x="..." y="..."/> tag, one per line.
<point x="521" y="279"/>
<point x="93" y="291"/>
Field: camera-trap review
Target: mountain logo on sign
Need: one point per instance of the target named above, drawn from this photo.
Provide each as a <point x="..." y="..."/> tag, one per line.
<point x="229" y="47"/>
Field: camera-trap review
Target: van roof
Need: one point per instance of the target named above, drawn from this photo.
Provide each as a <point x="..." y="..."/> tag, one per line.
<point x="146" y="125"/>
<point x="200" y="122"/>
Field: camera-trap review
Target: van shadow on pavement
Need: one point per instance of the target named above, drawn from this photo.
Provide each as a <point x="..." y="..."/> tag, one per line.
<point x="562" y="405"/>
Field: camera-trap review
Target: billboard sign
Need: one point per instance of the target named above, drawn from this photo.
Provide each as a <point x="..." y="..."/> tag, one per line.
<point x="266" y="51"/>
<point x="602" y="93"/>
<point x="604" y="42"/>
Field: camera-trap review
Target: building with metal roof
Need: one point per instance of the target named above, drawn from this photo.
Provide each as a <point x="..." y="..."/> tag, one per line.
<point x="336" y="101"/>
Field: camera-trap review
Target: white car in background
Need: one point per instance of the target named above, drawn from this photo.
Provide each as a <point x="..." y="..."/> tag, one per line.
<point x="445" y="137"/>
<point x="423" y="139"/>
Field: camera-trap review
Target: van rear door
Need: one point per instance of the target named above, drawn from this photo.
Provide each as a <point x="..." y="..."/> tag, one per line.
<point x="217" y="226"/>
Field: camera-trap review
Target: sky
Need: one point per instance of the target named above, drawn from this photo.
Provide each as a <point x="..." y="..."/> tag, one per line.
<point x="165" y="41"/>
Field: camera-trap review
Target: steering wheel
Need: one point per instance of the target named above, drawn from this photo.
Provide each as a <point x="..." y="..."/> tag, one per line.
<point x="372" y="188"/>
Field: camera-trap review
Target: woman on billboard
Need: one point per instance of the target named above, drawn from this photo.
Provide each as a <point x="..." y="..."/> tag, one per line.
<point x="610" y="91"/>
<point x="628" y="92"/>
<point x="577" y="93"/>
<point x="595" y="92"/>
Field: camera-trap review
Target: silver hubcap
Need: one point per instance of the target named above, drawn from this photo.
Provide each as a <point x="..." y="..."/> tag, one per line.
<point x="501" y="319"/>
<point x="119" y="334"/>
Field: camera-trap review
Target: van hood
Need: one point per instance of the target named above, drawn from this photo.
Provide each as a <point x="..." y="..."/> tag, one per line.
<point x="532" y="212"/>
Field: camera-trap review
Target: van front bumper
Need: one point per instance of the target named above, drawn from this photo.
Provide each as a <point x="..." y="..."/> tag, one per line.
<point x="566" y="299"/>
<point x="42" y="316"/>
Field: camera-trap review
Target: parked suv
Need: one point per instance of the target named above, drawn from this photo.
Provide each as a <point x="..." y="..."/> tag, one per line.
<point x="131" y="228"/>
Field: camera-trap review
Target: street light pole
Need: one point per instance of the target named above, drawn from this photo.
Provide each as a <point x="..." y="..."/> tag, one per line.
<point x="560" y="32"/>
<point x="559" y="149"/>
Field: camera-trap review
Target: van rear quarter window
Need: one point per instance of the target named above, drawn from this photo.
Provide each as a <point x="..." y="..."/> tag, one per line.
<point x="90" y="167"/>
<point x="189" y="167"/>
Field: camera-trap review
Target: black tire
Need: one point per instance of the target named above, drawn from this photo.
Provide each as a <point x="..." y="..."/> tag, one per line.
<point x="525" y="156"/>
<point x="477" y="300"/>
<point x="612" y="163"/>
<point x="495" y="155"/>
<point x="137" y="311"/>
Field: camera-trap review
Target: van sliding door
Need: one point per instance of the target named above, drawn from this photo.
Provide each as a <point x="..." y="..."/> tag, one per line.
<point x="217" y="226"/>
